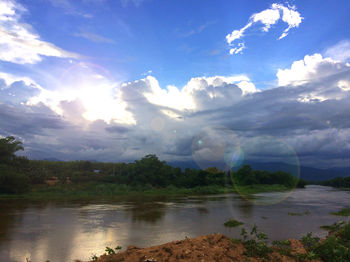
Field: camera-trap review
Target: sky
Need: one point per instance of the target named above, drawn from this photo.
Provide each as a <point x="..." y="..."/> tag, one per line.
<point x="204" y="81"/>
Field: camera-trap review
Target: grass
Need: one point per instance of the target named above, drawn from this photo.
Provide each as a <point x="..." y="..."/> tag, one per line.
<point x="253" y="189"/>
<point x="343" y="212"/>
<point x="334" y="227"/>
<point x="233" y="223"/>
<point x="294" y="214"/>
<point x="109" y="190"/>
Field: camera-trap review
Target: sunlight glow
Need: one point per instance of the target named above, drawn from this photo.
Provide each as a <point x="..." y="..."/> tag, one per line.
<point x="95" y="96"/>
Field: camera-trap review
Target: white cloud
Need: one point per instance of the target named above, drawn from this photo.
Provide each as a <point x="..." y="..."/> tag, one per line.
<point x="104" y="120"/>
<point x="290" y="16"/>
<point x="10" y="79"/>
<point x="238" y="49"/>
<point x="18" y="41"/>
<point x="314" y="69"/>
<point x="340" y="51"/>
<point x="197" y="92"/>
<point x="307" y="69"/>
<point x="94" y="37"/>
<point x="267" y="17"/>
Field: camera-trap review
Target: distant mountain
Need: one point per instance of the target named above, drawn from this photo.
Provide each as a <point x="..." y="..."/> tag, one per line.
<point x="307" y="173"/>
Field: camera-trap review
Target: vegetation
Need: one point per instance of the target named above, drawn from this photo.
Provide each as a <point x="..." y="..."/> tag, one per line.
<point x="255" y="243"/>
<point x="338" y="182"/>
<point x="233" y="223"/>
<point x="343" y="212"/>
<point x="247" y="176"/>
<point x="334" y="248"/>
<point x="149" y="175"/>
<point x="334" y="227"/>
<point x="110" y="251"/>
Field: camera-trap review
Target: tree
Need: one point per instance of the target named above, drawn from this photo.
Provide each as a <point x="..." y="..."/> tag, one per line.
<point x="11" y="182"/>
<point x="8" y="147"/>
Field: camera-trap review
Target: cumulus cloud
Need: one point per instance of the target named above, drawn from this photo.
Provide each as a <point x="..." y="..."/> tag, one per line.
<point x="306" y="117"/>
<point x="315" y="69"/>
<point x="18" y="41"/>
<point x="267" y="18"/>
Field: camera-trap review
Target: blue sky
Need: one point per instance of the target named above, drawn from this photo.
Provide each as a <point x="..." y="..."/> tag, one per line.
<point x="99" y="65"/>
<point x="178" y="40"/>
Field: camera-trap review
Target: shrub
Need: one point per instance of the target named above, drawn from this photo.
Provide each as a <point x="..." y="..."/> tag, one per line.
<point x="12" y="182"/>
<point x="332" y="250"/>
<point x="343" y="212"/>
<point x="233" y="223"/>
<point x="255" y="243"/>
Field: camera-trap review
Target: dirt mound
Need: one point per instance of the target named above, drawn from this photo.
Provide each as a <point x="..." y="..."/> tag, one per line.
<point x="203" y="248"/>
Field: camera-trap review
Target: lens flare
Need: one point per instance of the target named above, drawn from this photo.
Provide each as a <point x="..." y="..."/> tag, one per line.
<point x="268" y="154"/>
<point x="234" y="157"/>
<point x="213" y="145"/>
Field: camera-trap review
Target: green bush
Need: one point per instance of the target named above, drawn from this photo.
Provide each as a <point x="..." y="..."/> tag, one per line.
<point x="255" y="244"/>
<point x="12" y="182"/>
<point x="332" y="250"/>
<point x="343" y="212"/>
<point x="233" y="223"/>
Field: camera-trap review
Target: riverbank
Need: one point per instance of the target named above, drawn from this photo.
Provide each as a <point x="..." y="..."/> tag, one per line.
<point x="252" y="247"/>
<point x="104" y="190"/>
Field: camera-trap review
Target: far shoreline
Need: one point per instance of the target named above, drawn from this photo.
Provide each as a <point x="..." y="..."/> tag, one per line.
<point x="112" y="191"/>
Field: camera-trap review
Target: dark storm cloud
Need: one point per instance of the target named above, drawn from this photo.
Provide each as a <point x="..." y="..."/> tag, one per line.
<point x="27" y="121"/>
<point x="117" y="129"/>
<point x="310" y="118"/>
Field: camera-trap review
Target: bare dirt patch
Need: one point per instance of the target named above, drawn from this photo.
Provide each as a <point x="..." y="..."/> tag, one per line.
<point x="215" y="247"/>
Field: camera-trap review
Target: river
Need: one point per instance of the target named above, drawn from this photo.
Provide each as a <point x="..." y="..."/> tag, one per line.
<point x="67" y="230"/>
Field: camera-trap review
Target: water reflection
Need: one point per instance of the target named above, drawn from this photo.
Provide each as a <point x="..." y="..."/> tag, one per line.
<point x="203" y="210"/>
<point x="147" y="212"/>
<point x="64" y="231"/>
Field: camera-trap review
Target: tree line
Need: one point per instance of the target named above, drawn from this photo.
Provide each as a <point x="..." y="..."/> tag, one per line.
<point x="339" y="182"/>
<point x="18" y="174"/>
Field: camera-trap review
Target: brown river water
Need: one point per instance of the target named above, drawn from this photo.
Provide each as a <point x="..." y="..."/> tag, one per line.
<point x="67" y="230"/>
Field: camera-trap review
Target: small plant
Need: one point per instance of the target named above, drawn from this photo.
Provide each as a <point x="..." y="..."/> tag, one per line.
<point x="255" y="243"/>
<point x="236" y="241"/>
<point x="94" y="257"/>
<point x="310" y="242"/>
<point x="233" y="223"/>
<point x="281" y="244"/>
<point x="306" y="257"/>
<point x="283" y="247"/>
<point x="334" y="227"/>
<point x="109" y="251"/>
<point x="343" y="212"/>
<point x="333" y="250"/>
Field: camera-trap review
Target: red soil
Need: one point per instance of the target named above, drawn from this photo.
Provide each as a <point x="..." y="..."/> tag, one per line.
<point x="203" y="248"/>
